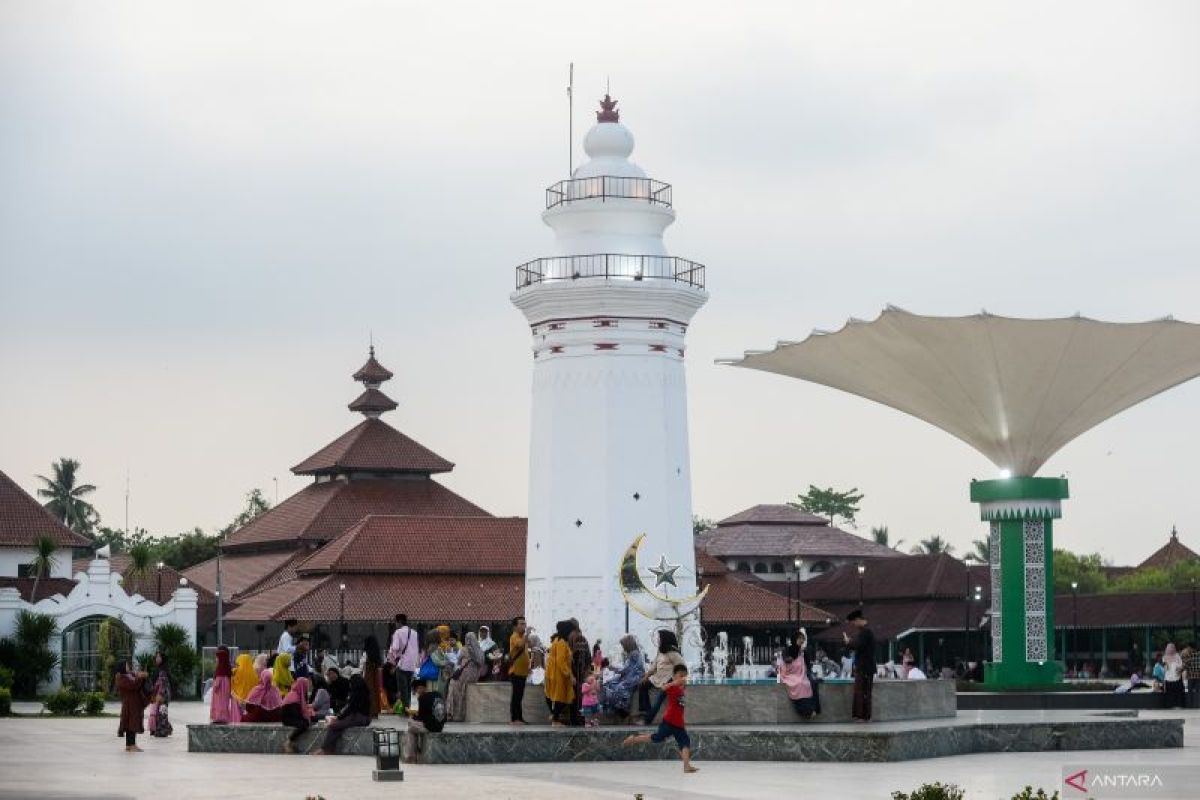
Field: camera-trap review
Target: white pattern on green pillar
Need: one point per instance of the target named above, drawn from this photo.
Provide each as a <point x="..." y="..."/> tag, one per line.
<point x="1035" y="590"/>
<point x="1020" y="511"/>
<point x="997" y="593"/>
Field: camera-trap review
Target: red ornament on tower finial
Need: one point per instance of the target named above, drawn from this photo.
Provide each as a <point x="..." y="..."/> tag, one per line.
<point x="608" y="111"/>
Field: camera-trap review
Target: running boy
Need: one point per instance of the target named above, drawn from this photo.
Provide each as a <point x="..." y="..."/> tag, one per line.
<point x="672" y="724"/>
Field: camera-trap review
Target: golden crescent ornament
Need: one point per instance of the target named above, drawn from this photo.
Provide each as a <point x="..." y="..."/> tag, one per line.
<point x="659" y="607"/>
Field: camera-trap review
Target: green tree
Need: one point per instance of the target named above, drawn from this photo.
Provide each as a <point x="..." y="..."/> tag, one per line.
<point x="1085" y="570"/>
<point x="983" y="551"/>
<point x="830" y="503"/>
<point x="933" y="546"/>
<point x="28" y="652"/>
<point x="182" y="658"/>
<point x="65" y="497"/>
<point x="44" y="561"/>
<point x="700" y="525"/>
<point x="187" y="549"/>
<point x="881" y="536"/>
<point x="256" y="504"/>
<point x="141" y="563"/>
<point x="1176" y="578"/>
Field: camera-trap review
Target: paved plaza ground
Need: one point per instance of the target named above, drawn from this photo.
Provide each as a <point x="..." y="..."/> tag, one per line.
<point x="83" y="758"/>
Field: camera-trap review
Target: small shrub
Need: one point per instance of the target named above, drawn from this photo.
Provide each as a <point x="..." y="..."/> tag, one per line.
<point x="1029" y="794"/>
<point x="5" y="702"/>
<point x="93" y="704"/>
<point x="65" y="702"/>
<point x="6" y="677"/>
<point x="932" y="791"/>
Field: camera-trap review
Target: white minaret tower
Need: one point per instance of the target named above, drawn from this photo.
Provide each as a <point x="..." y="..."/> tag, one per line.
<point x="608" y="456"/>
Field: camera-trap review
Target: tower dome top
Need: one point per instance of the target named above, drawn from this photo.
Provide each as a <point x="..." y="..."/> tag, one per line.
<point x="609" y="145"/>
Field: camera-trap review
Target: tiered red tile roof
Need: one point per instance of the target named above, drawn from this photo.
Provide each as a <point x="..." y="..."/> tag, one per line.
<point x="425" y="544"/>
<point x="373" y="446"/>
<point x="23" y="520"/>
<point x="782" y="531"/>
<point x="372" y="371"/>
<point x="322" y="511"/>
<point x="1170" y="553"/>
<point x="372" y="401"/>
<point x="1124" y="609"/>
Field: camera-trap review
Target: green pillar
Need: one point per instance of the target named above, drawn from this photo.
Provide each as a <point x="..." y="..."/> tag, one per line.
<point x="1021" y="543"/>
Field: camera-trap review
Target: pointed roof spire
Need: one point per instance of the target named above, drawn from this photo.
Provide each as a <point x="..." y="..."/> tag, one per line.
<point x="372" y="402"/>
<point x="372" y="373"/>
<point x="608" y="110"/>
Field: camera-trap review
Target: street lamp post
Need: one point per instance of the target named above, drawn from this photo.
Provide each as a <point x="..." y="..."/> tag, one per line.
<point x="158" y="591"/>
<point x="967" y="559"/>
<point x="1074" y="616"/>
<point x="797" y="563"/>
<point x="342" y="616"/>
<point x="862" y="569"/>
<point x="1195" y="641"/>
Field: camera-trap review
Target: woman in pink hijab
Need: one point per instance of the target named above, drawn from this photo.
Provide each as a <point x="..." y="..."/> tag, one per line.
<point x="264" y="702"/>
<point x="223" y="708"/>
<point x="297" y="713"/>
<point x="793" y="674"/>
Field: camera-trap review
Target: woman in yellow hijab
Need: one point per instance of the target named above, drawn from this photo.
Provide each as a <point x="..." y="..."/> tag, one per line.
<point x="560" y="681"/>
<point x="244" y="678"/>
<point x="443" y="636"/>
<point x="281" y="673"/>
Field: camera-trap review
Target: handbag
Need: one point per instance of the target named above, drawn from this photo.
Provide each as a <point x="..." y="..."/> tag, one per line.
<point x="429" y="671"/>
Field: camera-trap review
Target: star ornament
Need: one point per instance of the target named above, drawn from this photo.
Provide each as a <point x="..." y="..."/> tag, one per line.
<point x="664" y="572"/>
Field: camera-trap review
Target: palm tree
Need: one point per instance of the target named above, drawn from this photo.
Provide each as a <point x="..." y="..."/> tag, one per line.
<point x="65" y="497"/>
<point x="983" y="551"/>
<point x="933" y="546"/>
<point x="43" y="562"/>
<point x="880" y="535"/>
<point x="140" y="556"/>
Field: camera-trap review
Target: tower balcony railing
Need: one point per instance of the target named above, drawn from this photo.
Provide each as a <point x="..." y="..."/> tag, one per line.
<point x="617" y="266"/>
<point x="603" y="187"/>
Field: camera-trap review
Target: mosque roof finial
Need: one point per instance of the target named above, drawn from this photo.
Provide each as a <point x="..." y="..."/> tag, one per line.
<point x="608" y="110"/>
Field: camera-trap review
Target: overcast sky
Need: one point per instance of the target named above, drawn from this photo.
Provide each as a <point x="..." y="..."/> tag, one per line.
<point x="206" y="208"/>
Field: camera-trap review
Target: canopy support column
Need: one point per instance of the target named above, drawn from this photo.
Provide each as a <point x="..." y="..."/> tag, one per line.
<point x="1021" y="546"/>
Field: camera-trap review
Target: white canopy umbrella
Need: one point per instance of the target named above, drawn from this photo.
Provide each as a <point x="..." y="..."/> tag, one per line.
<point x="1017" y="390"/>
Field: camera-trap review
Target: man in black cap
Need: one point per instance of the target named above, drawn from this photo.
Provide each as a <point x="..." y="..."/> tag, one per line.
<point x="863" y="645"/>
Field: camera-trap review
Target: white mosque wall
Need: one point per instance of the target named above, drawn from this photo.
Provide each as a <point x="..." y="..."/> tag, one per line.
<point x="98" y="592"/>
<point x="12" y="558"/>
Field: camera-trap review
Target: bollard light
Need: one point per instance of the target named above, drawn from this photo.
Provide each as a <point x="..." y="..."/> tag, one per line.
<point x="387" y="755"/>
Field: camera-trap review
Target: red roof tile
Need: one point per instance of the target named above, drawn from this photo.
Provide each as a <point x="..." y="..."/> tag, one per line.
<point x="393" y="544"/>
<point x="373" y="446"/>
<point x="322" y="511"/>
<point x="915" y="577"/>
<point x="239" y="571"/>
<point x="373" y="371"/>
<point x="424" y="598"/>
<point x="889" y="619"/>
<point x="786" y="532"/>
<point x="47" y="587"/>
<point x="23" y="520"/>
<point x="372" y="400"/>
<point x="1134" y="609"/>
<point x="731" y="600"/>
<point x="773" y="514"/>
<point x="1170" y="553"/>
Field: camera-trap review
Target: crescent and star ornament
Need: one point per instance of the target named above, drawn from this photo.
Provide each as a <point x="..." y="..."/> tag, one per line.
<point x="664" y="572"/>
<point x="644" y="599"/>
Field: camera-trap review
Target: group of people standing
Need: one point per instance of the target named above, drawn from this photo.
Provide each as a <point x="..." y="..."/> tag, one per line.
<point x="139" y="689"/>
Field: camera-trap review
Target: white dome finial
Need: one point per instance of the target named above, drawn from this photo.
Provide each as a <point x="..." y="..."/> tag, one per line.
<point x="608" y="144"/>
